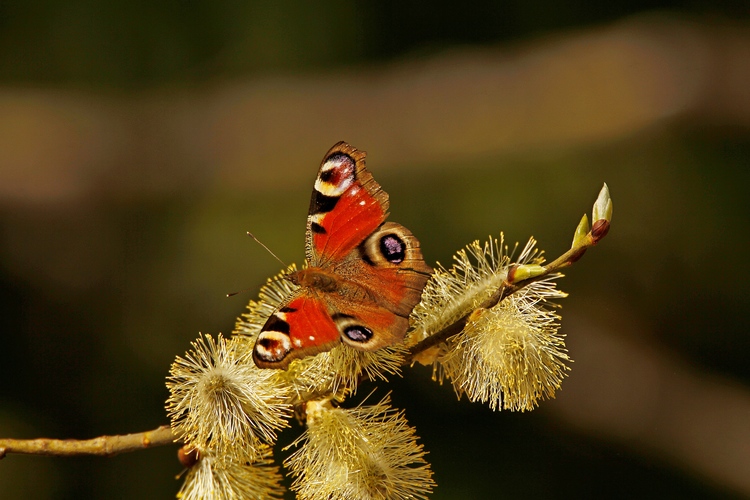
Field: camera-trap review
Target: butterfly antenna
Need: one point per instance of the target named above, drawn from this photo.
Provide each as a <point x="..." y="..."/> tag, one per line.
<point x="267" y="249"/>
<point x="232" y="294"/>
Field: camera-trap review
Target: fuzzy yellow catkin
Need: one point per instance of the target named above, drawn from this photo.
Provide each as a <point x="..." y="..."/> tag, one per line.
<point x="510" y="355"/>
<point x="221" y="402"/>
<point x="223" y="479"/>
<point x="368" y="453"/>
<point x="477" y="271"/>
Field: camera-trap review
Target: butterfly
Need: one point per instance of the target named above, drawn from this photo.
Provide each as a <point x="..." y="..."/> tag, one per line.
<point x="362" y="275"/>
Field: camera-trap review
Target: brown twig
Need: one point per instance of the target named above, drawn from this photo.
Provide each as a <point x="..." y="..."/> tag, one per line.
<point x="105" y="446"/>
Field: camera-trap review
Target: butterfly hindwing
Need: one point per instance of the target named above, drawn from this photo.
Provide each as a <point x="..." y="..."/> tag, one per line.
<point x="393" y="267"/>
<point x="386" y="281"/>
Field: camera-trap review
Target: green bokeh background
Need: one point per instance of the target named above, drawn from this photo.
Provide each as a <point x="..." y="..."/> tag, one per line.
<point x="97" y="298"/>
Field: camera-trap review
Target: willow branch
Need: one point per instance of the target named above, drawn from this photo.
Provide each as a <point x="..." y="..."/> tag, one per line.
<point x="105" y="446"/>
<point x="521" y="275"/>
<point x="108" y="446"/>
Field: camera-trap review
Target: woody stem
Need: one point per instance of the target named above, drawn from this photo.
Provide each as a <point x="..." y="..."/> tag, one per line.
<point x="102" y="446"/>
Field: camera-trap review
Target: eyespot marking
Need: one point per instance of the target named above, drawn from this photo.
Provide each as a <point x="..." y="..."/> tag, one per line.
<point x="336" y="175"/>
<point x="358" y="333"/>
<point x="392" y="248"/>
<point x="272" y="346"/>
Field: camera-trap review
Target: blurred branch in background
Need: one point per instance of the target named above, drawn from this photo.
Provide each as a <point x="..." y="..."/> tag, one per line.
<point x="643" y="397"/>
<point x="574" y="90"/>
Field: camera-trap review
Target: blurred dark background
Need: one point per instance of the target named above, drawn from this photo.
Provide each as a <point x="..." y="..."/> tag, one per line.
<point x="139" y="141"/>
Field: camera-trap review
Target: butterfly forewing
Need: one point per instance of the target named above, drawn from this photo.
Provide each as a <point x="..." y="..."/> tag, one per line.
<point x="346" y="206"/>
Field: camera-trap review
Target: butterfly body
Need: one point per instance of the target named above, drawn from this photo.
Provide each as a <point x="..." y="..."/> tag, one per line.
<point x="363" y="276"/>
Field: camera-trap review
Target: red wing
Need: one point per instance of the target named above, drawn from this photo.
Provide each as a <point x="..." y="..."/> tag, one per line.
<point x="347" y="205"/>
<point x="301" y="328"/>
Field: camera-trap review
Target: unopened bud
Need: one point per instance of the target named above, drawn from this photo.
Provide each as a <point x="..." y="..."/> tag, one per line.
<point x="188" y="456"/>
<point x="600" y="229"/>
<point x="602" y="206"/>
<point x="581" y="234"/>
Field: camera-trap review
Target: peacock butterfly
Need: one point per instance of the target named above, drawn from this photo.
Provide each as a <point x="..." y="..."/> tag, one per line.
<point x="362" y="275"/>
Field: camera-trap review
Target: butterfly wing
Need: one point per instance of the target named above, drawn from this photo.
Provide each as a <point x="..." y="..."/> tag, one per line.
<point x="302" y="327"/>
<point x="347" y="205"/>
